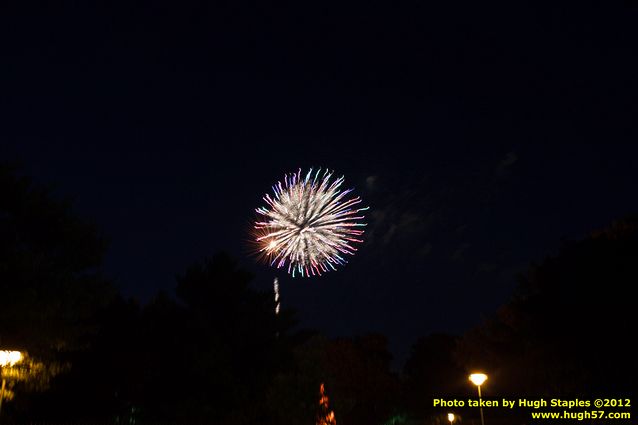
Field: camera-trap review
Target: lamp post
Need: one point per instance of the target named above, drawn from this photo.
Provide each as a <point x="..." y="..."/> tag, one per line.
<point x="478" y="379"/>
<point x="451" y="417"/>
<point x="7" y="358"/>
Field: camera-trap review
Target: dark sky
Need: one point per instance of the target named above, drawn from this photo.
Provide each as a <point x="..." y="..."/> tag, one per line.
<point x="480" y="135"/>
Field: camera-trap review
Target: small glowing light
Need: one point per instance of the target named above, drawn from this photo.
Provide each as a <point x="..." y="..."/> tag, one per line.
<point x="478" y="378"/>
<point x="450" y="417"/>
<point x="9" y="358"/>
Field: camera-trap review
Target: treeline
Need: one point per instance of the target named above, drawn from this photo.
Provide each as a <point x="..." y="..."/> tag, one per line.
<point x="217" y="354"/>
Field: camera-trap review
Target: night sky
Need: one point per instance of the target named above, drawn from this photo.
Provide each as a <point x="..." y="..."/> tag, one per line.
<point x="481" y="136"/>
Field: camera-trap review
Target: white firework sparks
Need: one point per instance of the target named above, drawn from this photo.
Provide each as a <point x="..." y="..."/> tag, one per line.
<point x="275" y="285"/>
<point x="309" y="224"/>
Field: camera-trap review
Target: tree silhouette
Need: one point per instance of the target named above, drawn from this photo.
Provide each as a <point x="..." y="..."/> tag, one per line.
<point x="431" y="372"/>
<point x="50" y="283"/>
<point x="568" y="330"/>
<point x="237" y="329"/>
<point x="210" y="352"/>
<point x="357" y="371"/>
<point x="207" y="355"/>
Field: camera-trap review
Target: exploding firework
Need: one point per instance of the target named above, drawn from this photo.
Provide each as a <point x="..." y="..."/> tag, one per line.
<point x="310" y="224"/>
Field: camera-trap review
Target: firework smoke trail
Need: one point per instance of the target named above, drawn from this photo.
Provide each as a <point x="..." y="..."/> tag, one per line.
<point x="310" y="224"/>
<point x="276" y="291"/>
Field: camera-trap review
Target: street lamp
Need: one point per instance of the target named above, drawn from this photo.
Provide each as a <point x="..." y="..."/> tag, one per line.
<point x="450" y="417"/>
<point x="7" y="358"/>
<point x="478" y="379"/>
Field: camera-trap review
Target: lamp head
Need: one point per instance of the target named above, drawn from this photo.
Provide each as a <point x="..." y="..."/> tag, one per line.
<point x="478" y="378"/>
<point x="9" y="358"/>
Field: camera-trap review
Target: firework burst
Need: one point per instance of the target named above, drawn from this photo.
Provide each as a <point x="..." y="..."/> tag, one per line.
<point x="310" y="224"/>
